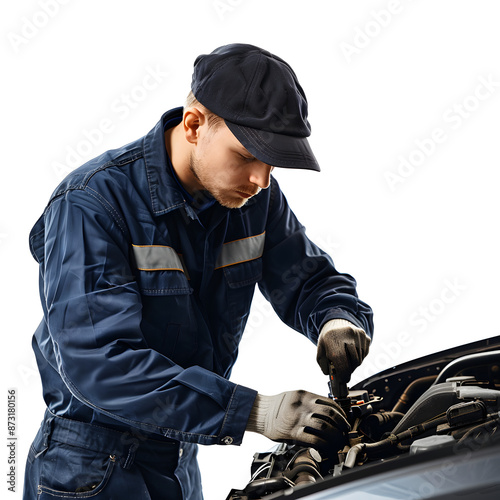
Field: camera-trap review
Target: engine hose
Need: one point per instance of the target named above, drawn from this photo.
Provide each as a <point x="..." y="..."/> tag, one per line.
<point x="263" y="486"/>
<point x="458" y="365"/>
<point x="352" y="454"/>
<point x="411" y="393"/>
<point x="308" y="468"/>
<point x="488" y="425"/>
<point x="391" y="440"/>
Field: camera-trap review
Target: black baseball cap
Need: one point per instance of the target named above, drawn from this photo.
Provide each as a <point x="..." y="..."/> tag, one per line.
<point x="261" y="101"/>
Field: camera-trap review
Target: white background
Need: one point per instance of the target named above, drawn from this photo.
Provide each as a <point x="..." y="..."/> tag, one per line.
<point x="381" y="77"/>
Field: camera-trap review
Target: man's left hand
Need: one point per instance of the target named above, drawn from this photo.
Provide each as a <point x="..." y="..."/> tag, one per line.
<point x="343" y="344"/>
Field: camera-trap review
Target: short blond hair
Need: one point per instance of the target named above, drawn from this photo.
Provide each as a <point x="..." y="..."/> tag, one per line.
<point x="213" y="120"/>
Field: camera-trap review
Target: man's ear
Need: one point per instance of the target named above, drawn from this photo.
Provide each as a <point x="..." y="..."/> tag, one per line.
<point x="193" y="119"/>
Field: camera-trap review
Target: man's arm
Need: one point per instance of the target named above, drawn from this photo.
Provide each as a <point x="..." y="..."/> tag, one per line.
<point x="300" y="279"/>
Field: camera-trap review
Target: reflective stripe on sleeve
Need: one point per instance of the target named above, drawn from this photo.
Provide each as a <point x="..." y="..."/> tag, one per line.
<point x="242" y="250"/>
<point x="157" y="258"/>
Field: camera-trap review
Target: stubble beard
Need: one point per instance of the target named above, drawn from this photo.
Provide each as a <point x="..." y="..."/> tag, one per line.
<point x="196" y="168"/>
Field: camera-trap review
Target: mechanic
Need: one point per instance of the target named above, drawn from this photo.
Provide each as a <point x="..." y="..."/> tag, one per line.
<point x="149" y="256"/>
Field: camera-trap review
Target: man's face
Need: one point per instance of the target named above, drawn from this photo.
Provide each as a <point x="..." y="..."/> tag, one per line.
<point x="224" y="168"/>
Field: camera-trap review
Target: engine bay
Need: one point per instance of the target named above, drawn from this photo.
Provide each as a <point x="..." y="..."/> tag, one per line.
<point x="434" y="406"/>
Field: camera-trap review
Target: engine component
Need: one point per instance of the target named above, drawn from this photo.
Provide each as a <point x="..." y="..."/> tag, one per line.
<point x="360" y="404"/>
<point x="466" y="413"/>
<point x="439" y="397"/>
<point x="391" y="441"/>
<point x="430" y="443"/>
<point x="283" y="467"/>
<point x="374" y="426"/>
<point x="304" y="467"/>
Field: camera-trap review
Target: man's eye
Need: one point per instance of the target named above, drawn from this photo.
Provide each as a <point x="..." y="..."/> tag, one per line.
<point x="247" y="158"/>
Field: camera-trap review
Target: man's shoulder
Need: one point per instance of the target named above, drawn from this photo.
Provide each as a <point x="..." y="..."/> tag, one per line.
<point x="97" y="170"/>
<point x="104" y="178"/>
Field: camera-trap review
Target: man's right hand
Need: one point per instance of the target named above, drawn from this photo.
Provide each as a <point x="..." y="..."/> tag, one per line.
<point x="299" y="417"/>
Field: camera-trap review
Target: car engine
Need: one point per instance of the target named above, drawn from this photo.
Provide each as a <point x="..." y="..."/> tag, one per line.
<point x="434" y="406"/>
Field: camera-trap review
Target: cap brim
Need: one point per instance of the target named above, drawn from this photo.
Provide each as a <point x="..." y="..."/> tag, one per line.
<point x="275" y="149"/>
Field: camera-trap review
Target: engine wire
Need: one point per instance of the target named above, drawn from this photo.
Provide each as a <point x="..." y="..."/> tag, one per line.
<point x="261" y="469"/>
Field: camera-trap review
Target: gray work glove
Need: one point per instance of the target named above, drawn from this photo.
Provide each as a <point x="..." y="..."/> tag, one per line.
<point x="299" y="417"/>
<point x="343" y="344"/>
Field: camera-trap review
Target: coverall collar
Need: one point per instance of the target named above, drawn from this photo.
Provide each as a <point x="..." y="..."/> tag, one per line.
<point x="163" y="189"/>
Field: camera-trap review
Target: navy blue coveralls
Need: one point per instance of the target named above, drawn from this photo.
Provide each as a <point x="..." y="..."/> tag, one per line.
<point x="145" y="301"/>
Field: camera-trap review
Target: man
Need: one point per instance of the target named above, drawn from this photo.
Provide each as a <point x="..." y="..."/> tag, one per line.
<point x="149" y="256"/>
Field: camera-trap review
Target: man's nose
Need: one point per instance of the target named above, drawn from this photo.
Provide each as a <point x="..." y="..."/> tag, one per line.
<point x="260" y="174"/>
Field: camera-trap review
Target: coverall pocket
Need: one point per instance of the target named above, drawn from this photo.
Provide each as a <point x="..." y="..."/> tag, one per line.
<point x="241" y="279"/>
<point x="243" y="274"/>
<point x="162" y="282"/>
<point x="169" y="291"/>
<point x="73" y="472"/>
